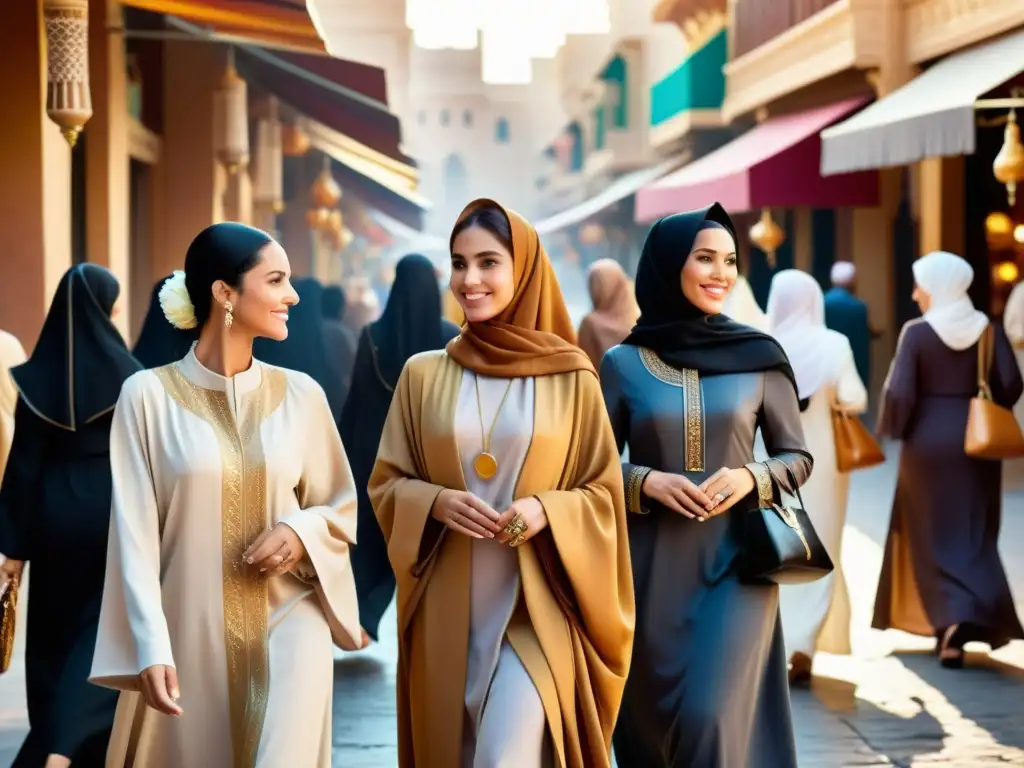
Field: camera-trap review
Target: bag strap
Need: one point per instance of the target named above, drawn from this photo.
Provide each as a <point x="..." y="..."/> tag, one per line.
<point x="985" y="354"/>
<point x="789" y="476"/>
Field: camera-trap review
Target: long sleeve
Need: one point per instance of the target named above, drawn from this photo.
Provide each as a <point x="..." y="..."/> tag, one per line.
<point x="133" y="632"/>
<point x="21" y="483"/>
<point x="899" y="394"/>
<point x="1005" y="379"/>
<point x="326" y="519"/>
<point x="633" y="475"/>
<point x="788" y="458"/>
<point x="850" y="390"/>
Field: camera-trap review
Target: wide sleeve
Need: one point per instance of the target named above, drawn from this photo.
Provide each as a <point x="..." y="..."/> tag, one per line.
<point x="401" y="499"/>
<point x="899" y="393"/>
<point x="585" y="548"/>
<point x="133" y="632"/>
<point x="21" y="483"/>
<point x="633" y="475"/>
<point x="789" y="463"/>
<point x="850" y="390"/>
<point x="326" y="520"/>
<point x="1005" y="379"/>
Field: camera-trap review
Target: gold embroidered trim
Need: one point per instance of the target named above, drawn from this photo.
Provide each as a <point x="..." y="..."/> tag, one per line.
<point x="763" y="479"/>
<point x="243" y="517"/>
<point x="693" y="404"/>
<point x="634" y="486"/>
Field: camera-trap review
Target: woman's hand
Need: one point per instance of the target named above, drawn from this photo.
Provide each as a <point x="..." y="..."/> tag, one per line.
<point x="465" y="513"/>
<point x="522" y="521"/>
<point x="725" y="488"/>
<point x="677" y="493"/>
<point x="159" y="687"/>
<point x="276" y="551"/>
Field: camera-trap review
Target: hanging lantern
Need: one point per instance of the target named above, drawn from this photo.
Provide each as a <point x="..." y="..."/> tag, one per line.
<point x="767" y="235"/>
<point x="268" y="186"/>
<point x="294" y="141"/>
<point x="68" y="101"/>
<point x="231" y="119"/>
<point x="317" y="218"/>
<point x="325" y="192"/>
<point x="1008" y="167"/>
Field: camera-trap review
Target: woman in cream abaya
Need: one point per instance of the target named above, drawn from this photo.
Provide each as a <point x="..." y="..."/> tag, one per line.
<point x="498" y="489"/>
<point x="233" y="511"/>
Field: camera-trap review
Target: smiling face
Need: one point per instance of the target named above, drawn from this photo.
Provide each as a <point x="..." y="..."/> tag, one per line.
<point x="260" y="306"/>
<point x="483" y="280"/>
<point x="710" y="270"/>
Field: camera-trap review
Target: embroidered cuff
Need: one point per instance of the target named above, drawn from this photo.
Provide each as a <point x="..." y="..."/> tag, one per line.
<point x="634" y="484"/>
<point x="763" y="480"/>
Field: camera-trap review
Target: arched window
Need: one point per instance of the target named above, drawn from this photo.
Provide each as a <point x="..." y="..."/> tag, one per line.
<point x="456" y="188"/>
<point x="502" y="135"/>
<point x="467" y="118"/>
<point x="446" y="117"/>
<point x="615" y="78"/>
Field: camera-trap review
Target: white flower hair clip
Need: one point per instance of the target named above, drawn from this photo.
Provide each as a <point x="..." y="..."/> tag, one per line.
<point x="176" y="303"/>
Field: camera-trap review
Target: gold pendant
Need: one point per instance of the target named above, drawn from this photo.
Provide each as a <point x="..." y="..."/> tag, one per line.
<point x="485" y="465"/>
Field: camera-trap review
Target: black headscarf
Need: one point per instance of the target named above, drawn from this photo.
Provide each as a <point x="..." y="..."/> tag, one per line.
<point x="333" y="303"/>
<point x="159" y="342"/>
<point x="304" y="350"/>
<point x="80" y="360"/>
<point x="671" y="325"/>
<point x="411" y="322"/>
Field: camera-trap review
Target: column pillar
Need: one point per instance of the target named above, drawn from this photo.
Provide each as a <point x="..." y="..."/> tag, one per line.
<point x="238" y="197"/>
<point x="35" y="180"/>
<point x="107" y="162"/>
<point x="941" y="204"/>
<point x="803" y="239"/>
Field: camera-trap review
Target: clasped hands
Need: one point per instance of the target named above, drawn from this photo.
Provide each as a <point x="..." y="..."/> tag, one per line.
<point x="717" y="494"/>
<point x="471" y="516"/>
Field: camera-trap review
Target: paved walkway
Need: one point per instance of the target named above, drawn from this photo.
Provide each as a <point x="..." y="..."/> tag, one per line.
<point x="888" y="704"/>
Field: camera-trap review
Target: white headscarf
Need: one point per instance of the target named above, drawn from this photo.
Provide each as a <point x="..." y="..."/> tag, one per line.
<point x="946" y="278"/>
<point x="796" y="314"/>
<point x="843" y="273"/>
<point x="1013" y="315"/>
<point x="742" y="307"/>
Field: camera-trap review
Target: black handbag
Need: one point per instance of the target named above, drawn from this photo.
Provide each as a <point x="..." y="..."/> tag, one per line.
<point x="779" y="544"/>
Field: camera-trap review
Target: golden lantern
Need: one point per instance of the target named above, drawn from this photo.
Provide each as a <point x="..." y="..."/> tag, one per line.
<point x="231" y="118"/>
<point x="1006" y="272"/>
<point x="268" y="184"/>
<point x="294" y="141"/>
<point x="999" y="231"/>
<point x="767" y="235"/>
<point x="317" y="218"/>
<point x="325" y="192"/>
<point x="1008" y="167"/>
<point x="68" y="100"/>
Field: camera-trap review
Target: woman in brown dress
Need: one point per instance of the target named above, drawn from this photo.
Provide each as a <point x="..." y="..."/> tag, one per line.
<point x="615" y="310"/>
<point x="942" y="575"/>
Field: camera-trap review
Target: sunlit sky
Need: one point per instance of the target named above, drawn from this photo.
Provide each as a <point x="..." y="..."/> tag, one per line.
<point x="511" y="33"/>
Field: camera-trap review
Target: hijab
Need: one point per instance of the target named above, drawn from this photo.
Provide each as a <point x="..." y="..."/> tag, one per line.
<point x="946" y="278"/>
<point x="533" y="335"/>
<point x="1013" y="315"/>
<point x="80" y="360"/>
<point x="159" y="342"/>
<point x="796" y="315"/>
<point x="673" y="327"/>
<point x="615" y="310"/>
<point x="411" y="322"/>
<point x="742" y="306"/>
<point x="304" y="349"/>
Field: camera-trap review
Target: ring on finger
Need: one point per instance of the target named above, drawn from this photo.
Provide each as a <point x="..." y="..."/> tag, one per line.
<point x="517" y="540"/>
<point x="516" y="528"/>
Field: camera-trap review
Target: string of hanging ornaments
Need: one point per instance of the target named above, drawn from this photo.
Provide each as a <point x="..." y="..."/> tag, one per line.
<point x="767" y="235"/>
<point x="268" y="186"/>
<point x="323" y="217"/>
<point x="1008" y="167"/>
<point x="231" y="119"/>
<point x="68" y="100"/>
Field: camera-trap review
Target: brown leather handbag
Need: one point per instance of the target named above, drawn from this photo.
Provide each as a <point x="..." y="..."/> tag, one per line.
<point x="856" y="447"/>
<point x="992" y="431"/>
<point x="8" y="612"/>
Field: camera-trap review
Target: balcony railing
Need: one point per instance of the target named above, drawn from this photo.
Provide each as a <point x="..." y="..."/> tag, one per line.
<point x="758" y="21"/>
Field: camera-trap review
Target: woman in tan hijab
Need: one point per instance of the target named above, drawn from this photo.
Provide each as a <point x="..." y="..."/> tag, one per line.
<point x="615" y="309"/>
<point x="498" y="490"/>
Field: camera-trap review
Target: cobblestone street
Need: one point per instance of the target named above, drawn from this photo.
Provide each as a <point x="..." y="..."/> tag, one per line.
<point x="888" y="704"/>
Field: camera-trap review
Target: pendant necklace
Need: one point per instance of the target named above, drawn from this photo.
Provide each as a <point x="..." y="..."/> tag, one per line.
<point x="485" y="465"/>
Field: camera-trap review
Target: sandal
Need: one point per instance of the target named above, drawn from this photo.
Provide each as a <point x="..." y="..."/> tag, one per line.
<point x="951" y="648"/>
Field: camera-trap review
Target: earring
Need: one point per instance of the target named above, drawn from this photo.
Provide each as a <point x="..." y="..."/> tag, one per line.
<point x="228" y="317"/>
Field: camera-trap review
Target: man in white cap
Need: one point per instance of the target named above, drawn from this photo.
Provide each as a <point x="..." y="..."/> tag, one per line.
<point x="845" y="313"/>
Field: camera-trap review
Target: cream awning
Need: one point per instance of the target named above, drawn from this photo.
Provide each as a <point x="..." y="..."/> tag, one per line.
<point x="931" y="116"/>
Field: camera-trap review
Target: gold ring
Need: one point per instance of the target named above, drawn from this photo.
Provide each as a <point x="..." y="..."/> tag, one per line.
<point x="517" y="541"/>
<point x="516" y="527"/>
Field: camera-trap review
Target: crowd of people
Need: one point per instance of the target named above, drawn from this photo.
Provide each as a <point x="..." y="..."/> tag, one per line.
<point x="561" y="514"/>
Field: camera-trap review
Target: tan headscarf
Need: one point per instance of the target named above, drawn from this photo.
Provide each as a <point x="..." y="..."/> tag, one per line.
<point x="533" y="336"/>
<point x="11" y="354"/>
<point x="615" y="309"/>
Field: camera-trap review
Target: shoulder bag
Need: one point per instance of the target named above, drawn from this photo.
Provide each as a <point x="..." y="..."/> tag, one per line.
<point x="992" y="430"/>
<point x="8" y="612"/>
<point x="856" y="447"/>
